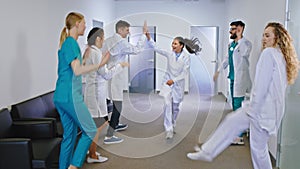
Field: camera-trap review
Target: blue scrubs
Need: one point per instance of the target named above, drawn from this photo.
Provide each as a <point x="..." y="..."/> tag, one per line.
<point x="73" y="112"/>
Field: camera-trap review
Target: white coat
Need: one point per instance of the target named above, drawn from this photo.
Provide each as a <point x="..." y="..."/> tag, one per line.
<point x="96" y="84"/>
<point x="242" y="81"/>
<point x="262" y="114"/>
<point x="267" y="101"/>
<point x="176" y="70"/>
<point x="119" y="48"/>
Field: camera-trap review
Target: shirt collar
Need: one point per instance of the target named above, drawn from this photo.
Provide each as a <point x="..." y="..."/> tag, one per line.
<point x="95" y="47"/>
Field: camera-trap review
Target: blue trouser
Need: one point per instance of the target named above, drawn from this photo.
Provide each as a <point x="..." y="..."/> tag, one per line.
<point x="74" y="115"/>
<point x="236" y="101"/>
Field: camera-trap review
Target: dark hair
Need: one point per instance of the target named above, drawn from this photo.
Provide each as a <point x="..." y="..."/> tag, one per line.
<point x="93" y="34"/>
<point x="121" y="24"/>
<point x="91" y="40"/>
<point x="237" y="23"/>
<point x="193" y="46"/>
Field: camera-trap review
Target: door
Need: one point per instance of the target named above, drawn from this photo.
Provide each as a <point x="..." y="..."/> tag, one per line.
<point x="290" y="136"/>
<point x="142" y="67"/>
<point x="203" y="66"/>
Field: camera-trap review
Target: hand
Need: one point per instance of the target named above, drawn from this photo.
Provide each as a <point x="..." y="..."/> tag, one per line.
<point x="145" y="28"/>
<point x="170" y="82"/>
<point x="148" y="36"/>
<point x="216" y="75"/>
<point x="124" y="64"/>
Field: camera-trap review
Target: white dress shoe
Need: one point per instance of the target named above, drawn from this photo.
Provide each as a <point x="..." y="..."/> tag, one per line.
<point x="100" y="159"/>
<point x="200" y="155"/>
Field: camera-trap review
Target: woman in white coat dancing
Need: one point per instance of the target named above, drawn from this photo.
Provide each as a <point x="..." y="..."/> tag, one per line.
<point x="178" y="66"/>
<point x="276" y="68"/>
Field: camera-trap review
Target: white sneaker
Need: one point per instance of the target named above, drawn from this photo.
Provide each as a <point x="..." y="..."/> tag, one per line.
<point x="200" y="155"/>
<point x="100" y="159"/>
<point x="238" y="141"/>
<point x="169" y="134"/>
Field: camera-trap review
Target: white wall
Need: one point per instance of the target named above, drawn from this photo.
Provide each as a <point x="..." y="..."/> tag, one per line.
<point x="172" y="18"/>
<point x="30" y="33"/>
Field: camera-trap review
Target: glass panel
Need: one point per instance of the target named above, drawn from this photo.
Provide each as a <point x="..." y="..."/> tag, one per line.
<point x="141" y="70"/>
<point x="203" y="66"/>
<point x="290" y="135"/>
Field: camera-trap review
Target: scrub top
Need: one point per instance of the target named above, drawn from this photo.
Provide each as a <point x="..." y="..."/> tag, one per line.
<point x="230" y="53"/>
<point x="68" y="85"/>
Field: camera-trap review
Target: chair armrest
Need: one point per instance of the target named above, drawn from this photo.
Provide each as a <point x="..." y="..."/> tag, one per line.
<point x="16" y="149"/>
<point x="34" y="129"/>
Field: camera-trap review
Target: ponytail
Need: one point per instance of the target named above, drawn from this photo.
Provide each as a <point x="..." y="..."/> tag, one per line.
<point x="193" y="46"/>
<point x="63" y="36"/>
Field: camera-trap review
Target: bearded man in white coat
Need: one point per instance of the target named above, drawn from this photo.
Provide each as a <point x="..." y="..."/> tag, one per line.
<point x="238" y="61"/>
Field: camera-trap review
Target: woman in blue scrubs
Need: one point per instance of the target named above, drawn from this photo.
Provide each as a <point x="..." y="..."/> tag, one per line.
<point x="68" y="97"/>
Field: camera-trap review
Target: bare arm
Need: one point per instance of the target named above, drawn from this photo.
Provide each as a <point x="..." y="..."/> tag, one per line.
<point x="80" y="69"/>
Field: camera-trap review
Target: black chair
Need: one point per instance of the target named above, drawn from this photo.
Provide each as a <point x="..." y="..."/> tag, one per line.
<point x="27" y="144"/>
<point x="40" y="107"/>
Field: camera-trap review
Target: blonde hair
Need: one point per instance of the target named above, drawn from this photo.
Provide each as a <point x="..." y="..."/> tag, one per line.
<point x="70" y="22"/>
<point x="285" y="42"/>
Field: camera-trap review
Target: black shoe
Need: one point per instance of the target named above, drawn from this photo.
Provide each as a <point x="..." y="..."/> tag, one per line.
<point x="121" y="127"/>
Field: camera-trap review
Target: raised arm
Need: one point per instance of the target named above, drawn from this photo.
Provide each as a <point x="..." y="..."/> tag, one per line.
<point x="153" y="45"/>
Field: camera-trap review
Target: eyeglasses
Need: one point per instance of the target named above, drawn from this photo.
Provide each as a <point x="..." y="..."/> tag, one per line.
<point x="232" y="29"/>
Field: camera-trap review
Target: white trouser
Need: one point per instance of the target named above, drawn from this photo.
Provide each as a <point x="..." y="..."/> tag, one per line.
<point x="233" y="124"/>
<point x="171" y="111"/>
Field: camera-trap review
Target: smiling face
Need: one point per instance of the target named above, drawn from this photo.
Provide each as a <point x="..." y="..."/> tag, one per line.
<point x="268" y="39"/>
<point x="176" y="46"/>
